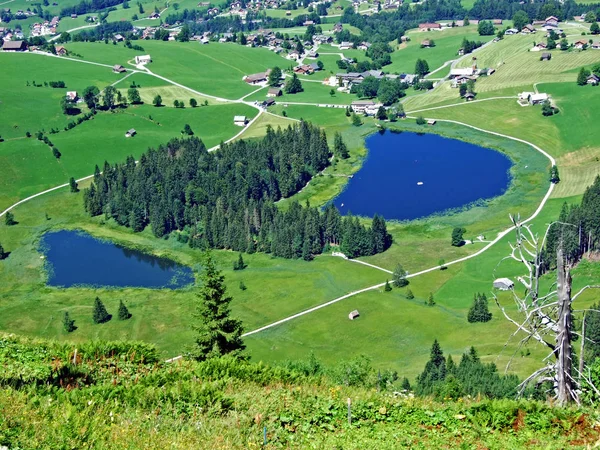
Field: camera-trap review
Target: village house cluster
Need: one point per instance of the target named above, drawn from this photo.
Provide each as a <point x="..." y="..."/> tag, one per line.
<point x="45" y="28"/>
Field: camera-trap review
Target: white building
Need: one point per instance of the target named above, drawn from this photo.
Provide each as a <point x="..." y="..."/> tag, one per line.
<point x="143" y="59"/>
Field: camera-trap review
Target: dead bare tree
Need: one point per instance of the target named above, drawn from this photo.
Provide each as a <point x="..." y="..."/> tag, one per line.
<point x="548" y="318"/>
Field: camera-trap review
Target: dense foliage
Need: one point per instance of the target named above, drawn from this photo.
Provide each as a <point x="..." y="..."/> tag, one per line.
<point x="119" y="394"/>
<point x="225" y="199"/>
<point x="443" y="379"/>
<point x="87" y="6"/>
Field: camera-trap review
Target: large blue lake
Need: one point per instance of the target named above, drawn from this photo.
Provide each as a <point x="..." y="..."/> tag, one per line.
<point x="75" y="258"/>
<point x="408" y="176"/>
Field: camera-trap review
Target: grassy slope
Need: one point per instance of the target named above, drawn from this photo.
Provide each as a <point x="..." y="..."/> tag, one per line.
<point x="276" y="287"/>
<point x="447" y="43"/>
<point x="28" y="108"/>
<point x="397" y="332"/>
<point x="214" y="69"/>
<point x="32" y="168"/>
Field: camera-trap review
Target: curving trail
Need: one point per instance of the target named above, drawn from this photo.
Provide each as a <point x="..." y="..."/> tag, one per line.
<point x="431" y="269"/>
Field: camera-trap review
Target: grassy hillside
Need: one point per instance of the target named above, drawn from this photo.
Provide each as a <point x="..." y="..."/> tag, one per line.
<point x="47" y="401"/>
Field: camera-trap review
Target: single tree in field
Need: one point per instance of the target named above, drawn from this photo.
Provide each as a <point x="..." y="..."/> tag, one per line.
<point x="193" y="102"/>
<point x="421" y="67"/>
<point x="293" y="85"/>
<point x="595" y="28"/>
<point x="442" y="264"/>
<point x="68" y="323"/>
<point x="73" y="185"/>
<point x="217" y="334"/>
<point x="421" y="120"/>
<point x="3" y="254"/>
<point x="554" y="176"/>
<point x="239" y="264"/>
<point x="176" y="103"/>
<point x="242" y="286"/>
<point x="582" y="76"/>
<point x="123" y="311"/>
<point x="157" y="101"/>
<point x="409" y="294"/>
<point x="387" y="287"/>
<point x="399" y="276"/>
<point x="187" y="130"/>
<point x="9" y="219"/>
<point x="108" y="99"/>
<point x="332" y="92"/>
<point x="462" y="90"/>
<point x="381" y="114"/>
<point x="457" y="236"/>
<point x="100" y="313"/>
<point x="356" y="120"/>
<point x="430" y="300"/>
<point x="134" y="96"/>
<point x="479" y="311"/>
<point x="275" y="76"/>
<point x="90" y="96"/>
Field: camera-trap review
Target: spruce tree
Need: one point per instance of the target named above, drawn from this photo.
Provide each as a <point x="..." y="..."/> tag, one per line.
<point x="68" y="323"/>
<point x="73" y="185"/>
<point x="239" y="264"/>
<point x="9" y="219"/>
<point x="217" y="334"/>
<point x="387" y="287"/>
<point x="430" y="300"/>
<point x="123" y="311"/>
<point x="100" y="313"/>
<point x="582" y="76"/>
<point x="405" y="384"/>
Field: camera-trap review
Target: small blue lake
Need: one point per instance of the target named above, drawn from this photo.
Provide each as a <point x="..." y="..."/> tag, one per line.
<point x="408" y="176"/>
<point x="75" y="258"/>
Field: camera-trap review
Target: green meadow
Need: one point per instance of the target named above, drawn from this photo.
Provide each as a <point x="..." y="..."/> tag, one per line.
<point x="214" y="69"/>
<point x="447" y="43"/>
<point x="394" y="331"/>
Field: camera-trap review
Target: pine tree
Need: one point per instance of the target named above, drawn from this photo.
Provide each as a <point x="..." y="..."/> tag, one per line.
<point x="73" y="185"/>
<point x="409" y="294"/>
<point x="339" y="147"/>
<point x="9" y="219"/>
<point x="582" y="76"/>
<point x="217" y="334"/>
<point x="68" y="323"/>
<point x="479" y="311"/>
<point x="554" y="175"/>
<point x="239" y="264"/>
<point x="100" y="313"/>
<point x="123" y="311"/>
<point x="387" y="287"/>
<point x="293" y="85"/>
<point x="405" y="384"/>
<point x="430" y="300"/>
